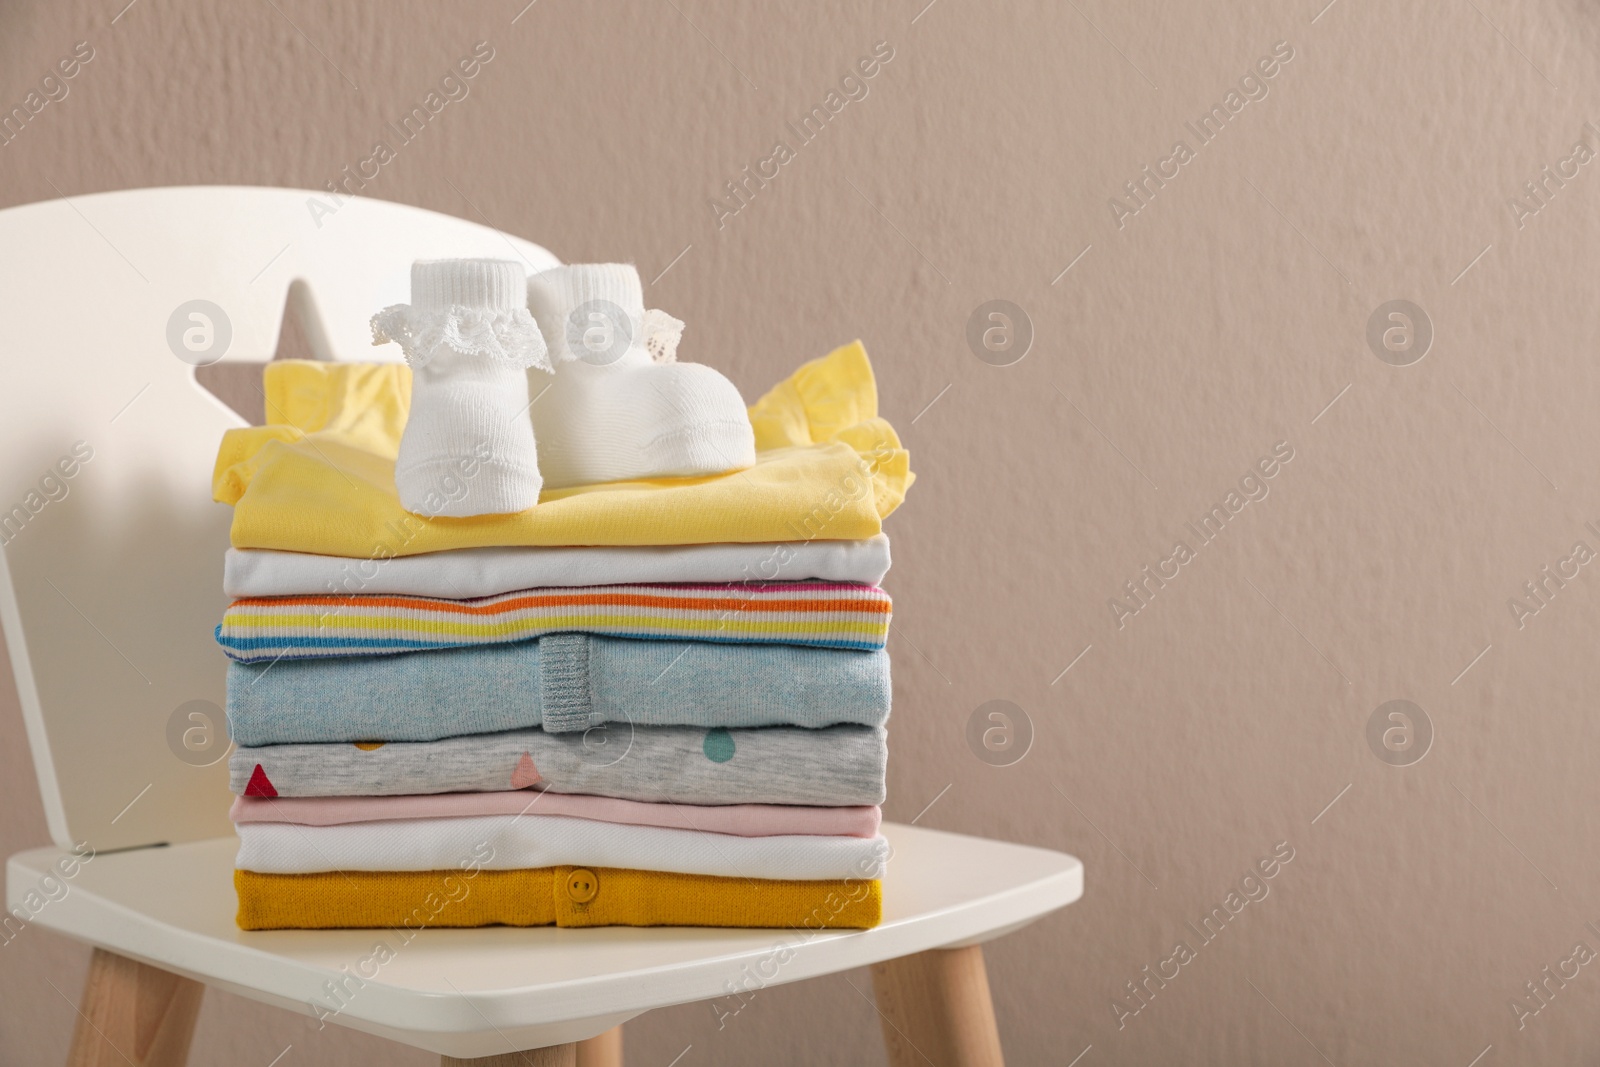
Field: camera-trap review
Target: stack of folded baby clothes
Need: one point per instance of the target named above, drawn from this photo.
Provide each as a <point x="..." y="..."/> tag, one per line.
<point x="655" y="698"/>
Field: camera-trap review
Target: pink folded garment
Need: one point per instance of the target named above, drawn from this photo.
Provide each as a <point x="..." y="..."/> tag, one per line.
<point x="741" y="820"/>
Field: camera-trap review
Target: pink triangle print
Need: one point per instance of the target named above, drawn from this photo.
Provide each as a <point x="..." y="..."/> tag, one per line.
<point x="526" y="773"/>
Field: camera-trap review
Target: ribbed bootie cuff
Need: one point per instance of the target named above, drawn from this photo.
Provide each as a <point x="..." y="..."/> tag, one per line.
<point x="572" y="286"/>
<point x="588" y="304"/>
<point x="491" y="284"/>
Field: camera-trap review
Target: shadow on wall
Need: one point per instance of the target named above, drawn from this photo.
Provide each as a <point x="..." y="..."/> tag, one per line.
<point x="121" y="584"/>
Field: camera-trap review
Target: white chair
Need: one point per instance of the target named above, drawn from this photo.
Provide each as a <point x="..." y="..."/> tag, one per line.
<point x="110" y="584"/>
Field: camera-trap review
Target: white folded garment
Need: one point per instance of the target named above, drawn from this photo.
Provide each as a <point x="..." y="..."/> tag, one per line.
<point x="475" y="572"/>
<point x="503" y="843"/>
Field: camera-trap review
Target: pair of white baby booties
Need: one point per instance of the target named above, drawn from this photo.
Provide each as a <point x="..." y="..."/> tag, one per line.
<point x="568" y="358"/>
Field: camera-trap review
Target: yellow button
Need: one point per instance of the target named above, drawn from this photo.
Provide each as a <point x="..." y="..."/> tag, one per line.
<point x="582" y="885"/>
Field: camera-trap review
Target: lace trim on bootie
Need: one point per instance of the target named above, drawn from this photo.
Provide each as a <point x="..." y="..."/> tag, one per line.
<point x="662" y="333"/>
<point x="510" y="337"/>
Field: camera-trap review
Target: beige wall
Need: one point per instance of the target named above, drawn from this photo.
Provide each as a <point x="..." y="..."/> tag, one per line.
<point x="1225" y="315"/>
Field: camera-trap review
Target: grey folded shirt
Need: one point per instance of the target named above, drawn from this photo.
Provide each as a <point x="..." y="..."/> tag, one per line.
<point x="831" y="767"/>
<point x="563" y="682"/>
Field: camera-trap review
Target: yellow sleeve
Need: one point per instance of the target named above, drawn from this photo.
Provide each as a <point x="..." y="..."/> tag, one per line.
<point x="818" y="401"/>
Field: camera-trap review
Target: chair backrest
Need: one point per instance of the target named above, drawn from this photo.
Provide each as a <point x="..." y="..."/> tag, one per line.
<point x="111" y="574"/>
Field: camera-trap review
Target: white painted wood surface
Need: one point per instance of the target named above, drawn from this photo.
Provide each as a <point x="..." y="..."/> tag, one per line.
<point x="471" y="992"/>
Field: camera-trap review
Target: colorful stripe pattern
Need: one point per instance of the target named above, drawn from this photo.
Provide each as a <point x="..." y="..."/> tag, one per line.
<point x="818" y="614"/>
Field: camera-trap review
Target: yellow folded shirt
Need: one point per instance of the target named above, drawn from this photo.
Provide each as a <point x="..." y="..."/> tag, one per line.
<point x="320" y="476"/>
<point x="548" y="896"/>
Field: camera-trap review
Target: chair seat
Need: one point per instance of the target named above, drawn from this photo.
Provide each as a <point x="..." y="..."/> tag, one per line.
<point x="483" y="992"/>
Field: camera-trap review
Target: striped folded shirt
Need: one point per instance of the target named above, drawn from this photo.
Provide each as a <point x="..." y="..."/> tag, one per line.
<point x="816" y="614"/>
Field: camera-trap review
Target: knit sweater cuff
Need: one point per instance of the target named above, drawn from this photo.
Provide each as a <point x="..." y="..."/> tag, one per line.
<point x="564" y="703"/>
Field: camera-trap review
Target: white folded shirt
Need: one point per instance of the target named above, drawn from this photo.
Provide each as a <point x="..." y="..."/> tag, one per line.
<point x="474" y="572"/>
<point x="501" y="843"/>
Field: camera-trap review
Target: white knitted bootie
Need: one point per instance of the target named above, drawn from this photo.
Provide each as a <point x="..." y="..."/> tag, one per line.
<point x="620" y="407"/>
<point x="467" y="449"/>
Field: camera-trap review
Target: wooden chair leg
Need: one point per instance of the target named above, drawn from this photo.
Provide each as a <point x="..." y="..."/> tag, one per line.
<point x="935" y="1008"/>
<point x="554" y="1056"/>
<point x="602" y="1051"/>
<point x="134" y="1014"/>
